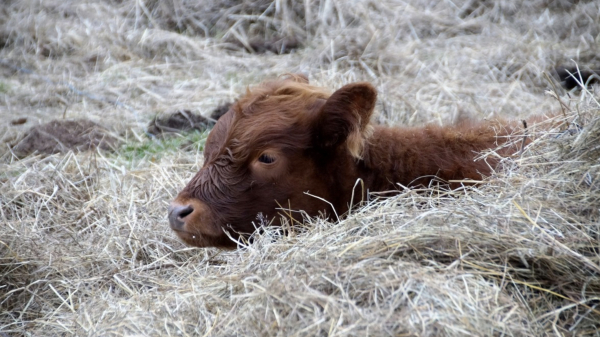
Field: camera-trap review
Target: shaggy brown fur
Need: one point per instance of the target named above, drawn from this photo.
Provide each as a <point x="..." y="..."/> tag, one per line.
<point x="285" y="137"/>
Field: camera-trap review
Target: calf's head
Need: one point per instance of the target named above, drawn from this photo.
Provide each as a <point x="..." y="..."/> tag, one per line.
<point x="281" y="139"/>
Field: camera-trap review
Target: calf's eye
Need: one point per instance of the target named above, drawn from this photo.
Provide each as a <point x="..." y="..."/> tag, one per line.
<point x="266" y="159"/>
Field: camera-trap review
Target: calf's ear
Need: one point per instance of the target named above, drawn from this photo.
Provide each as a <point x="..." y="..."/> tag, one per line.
<point x="344" y="118"/>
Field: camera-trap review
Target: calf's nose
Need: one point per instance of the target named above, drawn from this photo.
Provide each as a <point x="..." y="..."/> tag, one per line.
<point x="177" y="214"/>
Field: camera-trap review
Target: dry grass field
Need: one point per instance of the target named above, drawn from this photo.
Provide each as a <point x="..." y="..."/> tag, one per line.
<point x="85" y="246"/>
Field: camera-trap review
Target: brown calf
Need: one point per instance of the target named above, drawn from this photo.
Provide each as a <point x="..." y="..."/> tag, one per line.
<point x="285" y="137"/>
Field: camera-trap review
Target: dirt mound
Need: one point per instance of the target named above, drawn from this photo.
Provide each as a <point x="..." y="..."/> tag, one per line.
<point x="267" y="28"/>
<point x="63" y="136"/>
<point x="570" y="76"/>
<point x="177" y="122"/>
<point x="220" y="110"/>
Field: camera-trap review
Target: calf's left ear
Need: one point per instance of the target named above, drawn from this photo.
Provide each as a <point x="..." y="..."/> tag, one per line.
<point x="344" y="118"/>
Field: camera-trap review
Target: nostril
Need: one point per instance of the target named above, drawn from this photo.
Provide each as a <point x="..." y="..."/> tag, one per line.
<point x="177" y="215"/>
<point x="185" y="212"/>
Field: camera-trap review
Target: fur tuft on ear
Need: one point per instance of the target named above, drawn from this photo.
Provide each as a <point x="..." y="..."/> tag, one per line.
<point x="356" y="141"/>
<point x="345" y="117"/>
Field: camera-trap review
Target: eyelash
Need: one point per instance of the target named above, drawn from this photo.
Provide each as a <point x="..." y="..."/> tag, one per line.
<point x="266" y="159"/>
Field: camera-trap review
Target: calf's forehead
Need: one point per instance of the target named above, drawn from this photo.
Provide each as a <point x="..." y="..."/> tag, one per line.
<point x="217" y="137"/>
<point x="273" y="111"/>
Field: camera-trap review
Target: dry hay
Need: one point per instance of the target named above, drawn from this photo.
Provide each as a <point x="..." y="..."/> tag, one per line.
<point x="85" y="246"/>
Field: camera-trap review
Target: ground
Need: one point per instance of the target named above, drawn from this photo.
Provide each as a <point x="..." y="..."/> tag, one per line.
<point x="86" y="248"/>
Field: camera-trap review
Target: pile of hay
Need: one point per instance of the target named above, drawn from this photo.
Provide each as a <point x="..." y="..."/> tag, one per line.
<point x="85" y="247"/>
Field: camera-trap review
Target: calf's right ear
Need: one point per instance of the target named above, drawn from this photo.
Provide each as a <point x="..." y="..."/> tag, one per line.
<point x="344" y="118"/>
